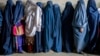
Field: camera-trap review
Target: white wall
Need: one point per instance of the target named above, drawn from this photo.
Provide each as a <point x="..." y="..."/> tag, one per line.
<point x="60" y="2"/>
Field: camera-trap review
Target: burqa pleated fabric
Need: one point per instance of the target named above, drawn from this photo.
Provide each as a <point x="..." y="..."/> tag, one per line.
<point x="93" y="20"/>
<point x="48" y="26"/>
<point x="38" y="37"/>
<point x="80" y="26"/>
<point x="67" y="30"/>
<point x="17" y="22"/>
<point x="57" y="41"/>
<point x="7" y="40"/>
<point x="1" y="19"/>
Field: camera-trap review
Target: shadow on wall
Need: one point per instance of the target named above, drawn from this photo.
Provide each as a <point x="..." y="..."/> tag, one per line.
<point x="2" y="6"/>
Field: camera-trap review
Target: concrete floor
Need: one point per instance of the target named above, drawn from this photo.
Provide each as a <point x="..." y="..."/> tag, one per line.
<point x="51" y="53"/>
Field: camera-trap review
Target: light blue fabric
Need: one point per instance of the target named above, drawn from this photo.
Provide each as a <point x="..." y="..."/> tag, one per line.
<point x="80" y="21"/>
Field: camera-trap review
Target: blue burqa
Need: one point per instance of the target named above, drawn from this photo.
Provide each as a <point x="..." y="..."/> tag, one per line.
<point x="57" y="41"/>
<point x="67" y="30"/>
<point x="7" y="39"/>
<point x="80" y="26"/>
<point x="93" y="20"/>
<point x="48" y="26"/>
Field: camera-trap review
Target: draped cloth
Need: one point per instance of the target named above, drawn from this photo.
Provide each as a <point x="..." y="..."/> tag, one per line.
<point x="38" y="36"/>
<point x="80" y="27"/>
<point x="48" y="26"/>
<point x="67" y="30"/>
<point x="7" y="39"/>
<point x="1" y="19"/>
<point x="33" y="18"/>
<point x="57" y="41"/>
<point x="93" y="20"/>
<point x="18" y="27"/>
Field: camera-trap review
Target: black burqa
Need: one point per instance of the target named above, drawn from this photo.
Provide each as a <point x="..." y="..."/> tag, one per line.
<point x="67" y="30"/>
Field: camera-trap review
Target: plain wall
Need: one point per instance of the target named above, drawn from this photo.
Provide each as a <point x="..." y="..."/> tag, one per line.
<point x="60" y="2"/>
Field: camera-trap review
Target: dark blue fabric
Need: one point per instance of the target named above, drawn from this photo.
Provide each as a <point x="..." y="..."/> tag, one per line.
<point x="1" y="19"/>
<point x="93" y="20"/>
<point x="67" y="30"/>
<point x="40" y="4"/>
<point x="57" y="41"/>
<point x="38" y="47"/>
<point x="19" y="12"/>
<point x="80" y="21"/>
<point x="97" y="48"/>
<point x="7" y="38"/>
<point x="48" y="26"/>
